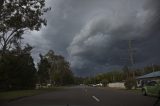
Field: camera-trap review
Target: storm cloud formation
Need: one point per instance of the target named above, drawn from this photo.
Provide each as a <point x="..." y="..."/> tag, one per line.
<point x="93" y="34"/>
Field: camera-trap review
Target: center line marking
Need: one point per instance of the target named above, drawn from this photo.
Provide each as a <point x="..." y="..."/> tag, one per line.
<point x="94" y="97"/>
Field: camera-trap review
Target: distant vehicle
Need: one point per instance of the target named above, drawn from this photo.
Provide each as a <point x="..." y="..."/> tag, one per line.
<point x="49" y="85"/>
<point x="94" y="85"/>
<point x="38" y="86"/>
<point x="43" y="85"/>
<point x="99" y="85"/>
<point x="151" y="88"/>
<point x="81" y="84"/>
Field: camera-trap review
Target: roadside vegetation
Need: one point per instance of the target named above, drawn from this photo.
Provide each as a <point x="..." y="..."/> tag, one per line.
<point x="18" y="70"/>
<point x="55" y="70"/>
<point x="125" y="75"/>
<point x="17" y="94"/>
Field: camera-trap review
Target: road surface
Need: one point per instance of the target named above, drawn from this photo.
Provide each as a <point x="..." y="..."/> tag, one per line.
<point x="86" y="96"/>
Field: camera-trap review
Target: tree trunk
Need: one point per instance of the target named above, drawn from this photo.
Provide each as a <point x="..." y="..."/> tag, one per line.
<point x="4" y="48"/>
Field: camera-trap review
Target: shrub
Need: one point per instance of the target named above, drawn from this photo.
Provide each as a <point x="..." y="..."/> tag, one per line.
<point x="104" y="82"/>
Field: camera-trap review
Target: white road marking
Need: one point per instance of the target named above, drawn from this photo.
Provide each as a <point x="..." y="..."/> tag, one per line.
<point x="94" y="97"/>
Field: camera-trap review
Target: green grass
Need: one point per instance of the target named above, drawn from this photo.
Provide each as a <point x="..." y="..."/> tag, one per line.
<point x="138" y="90"/>
<point x="11" y="95"/>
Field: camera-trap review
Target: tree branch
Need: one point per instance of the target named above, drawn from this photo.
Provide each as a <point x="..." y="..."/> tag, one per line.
<point x="1" y="43"/>
<point x="2" y="39"/>
<point x="8" y="39"/>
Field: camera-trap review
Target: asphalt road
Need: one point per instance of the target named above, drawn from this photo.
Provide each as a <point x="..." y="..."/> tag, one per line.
<point x="86" y="96"/>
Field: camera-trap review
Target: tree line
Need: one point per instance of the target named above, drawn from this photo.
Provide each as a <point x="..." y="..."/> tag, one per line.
<point x="17" y="71"/>
<point x="126" y="75"/>
<point x="17" y="68"/>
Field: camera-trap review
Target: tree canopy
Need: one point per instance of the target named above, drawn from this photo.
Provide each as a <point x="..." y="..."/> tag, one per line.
<point x="54" y="69"/>
<point x="17" y="69"/>
<point x="17" y="16"/>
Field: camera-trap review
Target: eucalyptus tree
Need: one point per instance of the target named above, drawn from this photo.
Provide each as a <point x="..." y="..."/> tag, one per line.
<point x="58" y="71"/>
<point x="18" y="16"/>
<point x="43" y="70"/>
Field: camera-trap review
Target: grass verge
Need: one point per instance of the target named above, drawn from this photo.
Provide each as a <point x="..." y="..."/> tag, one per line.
<point x="13" y="95"/>
<point x="138" y="90"/>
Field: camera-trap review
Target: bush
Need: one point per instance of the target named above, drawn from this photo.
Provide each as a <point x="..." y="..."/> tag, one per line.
<point x="104" y="82"/>
<point x="130" y="83"/>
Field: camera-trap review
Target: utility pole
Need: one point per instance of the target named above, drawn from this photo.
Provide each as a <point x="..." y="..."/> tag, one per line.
<point x="153" y="68"/>
<point x="130" y="53"/>
<point x="131" y="58"/>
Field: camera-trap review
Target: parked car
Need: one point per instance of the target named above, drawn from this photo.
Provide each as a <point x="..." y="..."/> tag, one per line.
<point x="151" y="88"/>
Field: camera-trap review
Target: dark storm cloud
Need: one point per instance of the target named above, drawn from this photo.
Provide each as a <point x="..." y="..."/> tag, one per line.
<point x="93" y="34"/>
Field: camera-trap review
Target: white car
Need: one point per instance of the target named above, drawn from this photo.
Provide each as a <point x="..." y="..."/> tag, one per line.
<point x="100" y="84"/>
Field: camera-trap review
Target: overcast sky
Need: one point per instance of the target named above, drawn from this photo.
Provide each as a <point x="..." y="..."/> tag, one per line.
<point x="93" y="35"/>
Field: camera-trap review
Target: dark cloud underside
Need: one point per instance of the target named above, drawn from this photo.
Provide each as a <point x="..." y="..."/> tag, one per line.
<point x="93" y="34"/>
